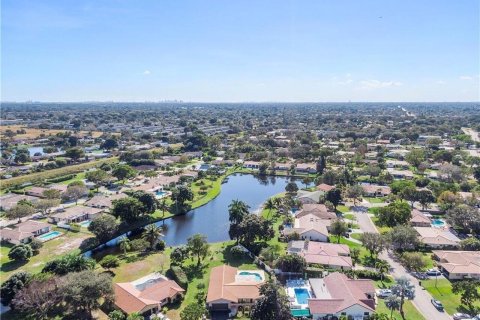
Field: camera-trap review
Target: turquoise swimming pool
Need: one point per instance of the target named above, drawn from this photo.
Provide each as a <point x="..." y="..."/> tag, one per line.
<point x="302" y="295"/>
<point x="160" y="193"/>
<point x="50" y="235"/>
<point x="256" y="275"/>
<point x="438" y="223"/>
<point x="85" y="223"/>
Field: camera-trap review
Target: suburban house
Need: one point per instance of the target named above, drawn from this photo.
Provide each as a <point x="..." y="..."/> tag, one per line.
<point x="310" y="227"/>
<point x="401" y="174"/>
<point x="398" y="164"/>
<point x="146" y="295"/>
<point x="312" y="197"/>
<point x="75" y="214"/>
<point x="24" y="232"/>
<point x="458" y="265"/>
<point x="336" y="295"/>
<point x="251" y="164"/>
<point x="419" y="219"/>
<point x="437" y="237"/>
<point x="319" y="210"/>
<point x="325" y="187"/>
<point x="10" y="200"/>
<point x="306" y="167"/>
<point x="375" y="190"/>
<point x="38" y="191"/>
<point x="230" y="289"/>
<point x="104" y="201"/>
<point x="331" y="255"/>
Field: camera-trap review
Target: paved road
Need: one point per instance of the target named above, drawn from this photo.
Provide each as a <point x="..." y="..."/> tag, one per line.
<point x="422" y="297"/>
<point x="474" y="134"/>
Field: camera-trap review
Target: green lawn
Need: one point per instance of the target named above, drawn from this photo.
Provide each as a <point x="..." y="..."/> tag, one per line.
<point x="411" y="313"/>
<point x="343" y="209"/>
<point x="375" y="200"/>
<point x="68" y="242"/>
<point x="349" y="216"/>
<point x="443" y="292"/>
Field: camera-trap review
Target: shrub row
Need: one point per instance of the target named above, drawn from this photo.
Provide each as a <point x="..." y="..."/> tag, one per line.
<point x="177" y="274"/>
<point x="60" y="179"/>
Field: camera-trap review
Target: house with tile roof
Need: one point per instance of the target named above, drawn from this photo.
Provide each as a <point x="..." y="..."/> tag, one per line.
<point x="331" y="255"/>
<point x="325" y="187"/>
<point x="336" y="295"/>
<point x="310" y="227"/>
<point x="458" y="265"/>
<point x="319" y="210"/>
<point x="419" y="219"/>
<point x="230" y="289"/>
<point x="24" y="232"/>
<point x="437" y="238"/>
<point x="146" y="295"/>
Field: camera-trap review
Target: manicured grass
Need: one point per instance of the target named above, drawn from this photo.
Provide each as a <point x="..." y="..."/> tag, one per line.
<point x="214" y="188"/>
<point x="342" y="208"/>
<point x="443" y="292"/>
<point x="68" y="242"/>
<point x="411" y="313"/>
<point x="375" y="200"/>
<point x="78" y="177"/>
<point x="356" y="236"/>
<point x="349" y="216"/>
<point x="160" y="262"/>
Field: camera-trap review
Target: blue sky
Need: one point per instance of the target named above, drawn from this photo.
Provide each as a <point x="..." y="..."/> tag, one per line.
<point x="231" y="51"/>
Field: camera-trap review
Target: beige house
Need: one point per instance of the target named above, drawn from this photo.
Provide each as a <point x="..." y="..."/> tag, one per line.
<point x="319" y="210"/>
<point x="457" y="265"/>
<point x="336" y="295"/>
<point x="10" y="200"/>
<point x="24" y="232"/>
<point x="75" y="214"/>
<point x="437" y="238"/>
<point x="146" y="295"/>
<point x="419" y="219"/>
<point x="375" y="190"/>
<point x="310" y="227"/>
<point x="331" y="255"/>
<point x="104" y="201"/>
<point x="230" y="289"/>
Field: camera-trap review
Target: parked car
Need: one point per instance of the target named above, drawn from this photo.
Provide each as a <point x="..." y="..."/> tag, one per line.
<point x="437" y="304"/>
<point x="434" y="272"/>
<point x="384" y="293"/>
<point x="420" y="275"/>
<point x="461" y="316"/>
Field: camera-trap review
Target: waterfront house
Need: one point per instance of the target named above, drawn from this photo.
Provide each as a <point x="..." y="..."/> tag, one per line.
<point x="146" y="295"/>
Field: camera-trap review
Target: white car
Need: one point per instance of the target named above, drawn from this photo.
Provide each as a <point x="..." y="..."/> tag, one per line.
<point x="384" y="293"/>
<point x="461" y="316"/>
<point x="434" y="272"/>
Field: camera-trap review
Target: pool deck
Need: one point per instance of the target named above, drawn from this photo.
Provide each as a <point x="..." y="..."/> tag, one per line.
<point x="291" y="285"/>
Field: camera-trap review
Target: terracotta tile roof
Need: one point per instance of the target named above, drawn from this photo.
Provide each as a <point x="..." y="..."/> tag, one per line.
<point x="103" y="201"/>
<point x="31" y="226"/>
<point x="325" y="187"/>
<point x="344" y="293"/>
<point x="326" y="253"/>
<point x="14" y="234"/>
<point x="437" y="236"/>
<point x="223" y="286"/>
<point x="419" y="217"/>
<point x="131" y="298"/>
<point x="459" y="261"/>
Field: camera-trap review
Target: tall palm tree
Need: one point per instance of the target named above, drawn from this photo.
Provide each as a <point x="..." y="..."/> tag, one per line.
<point x="162" y="206"/>
<point x="237" y="210"/>
<point x="382" y="267"/>
<point x="392" y="303"/>
<point x="269" y="205"/>
<point x="124" y="244"/>
<point x="151" y="234"/>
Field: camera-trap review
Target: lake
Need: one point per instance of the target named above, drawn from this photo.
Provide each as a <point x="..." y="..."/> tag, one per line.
<point x="212" y="219"/>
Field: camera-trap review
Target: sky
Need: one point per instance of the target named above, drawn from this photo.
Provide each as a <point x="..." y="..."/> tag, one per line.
<point x="240" y="51"/>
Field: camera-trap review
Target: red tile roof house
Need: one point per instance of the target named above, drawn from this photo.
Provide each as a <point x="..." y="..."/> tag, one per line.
<point x="337" y="295"/>
<point x="325" y="187"/>
<point x="230" y="289"/>
<point x="146" y="295"/>
<point x="104" y="201"/>
<point x="419" y="219"/>
<point x="75" y="214"/>
<point x="331" y="255"/>
<point x="458" y="265"/>
<point x="310" y="227"/>
<point x="24" y="232"/>
<point x="375" y="190"/>
<point x="437" y="238"/>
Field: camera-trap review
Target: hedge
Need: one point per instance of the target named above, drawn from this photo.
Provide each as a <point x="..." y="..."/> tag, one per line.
<point x="60" y="179"/>
<point x="177" y="274"/>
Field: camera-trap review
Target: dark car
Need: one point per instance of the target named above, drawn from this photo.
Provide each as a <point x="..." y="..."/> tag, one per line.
<point x="420" y="275"/>
<point x="437" y="304"/>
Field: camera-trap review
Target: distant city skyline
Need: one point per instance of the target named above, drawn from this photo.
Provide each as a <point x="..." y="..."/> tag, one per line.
<point x="242" y="51"/>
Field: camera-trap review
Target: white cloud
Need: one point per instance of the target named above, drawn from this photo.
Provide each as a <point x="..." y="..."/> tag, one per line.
<point x="146" y="72"/>
<point x="468" y="78"/>
<point x="377" y="84"/>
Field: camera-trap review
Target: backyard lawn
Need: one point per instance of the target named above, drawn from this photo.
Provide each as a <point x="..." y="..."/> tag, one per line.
<point x="443" y="292"/>
<point x="411" y="313"/>
<point x="68" y="242"/>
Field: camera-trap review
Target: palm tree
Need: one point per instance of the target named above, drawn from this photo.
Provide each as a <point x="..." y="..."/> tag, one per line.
<point x="237" y="210"/>
<point x="392" y="303"/>
<point x="382" y="267"/>
<point x="151" y="234"/>
<point x="124" y="244"/>
<point x="162" y="206"/>
<point x="269" y="205"/>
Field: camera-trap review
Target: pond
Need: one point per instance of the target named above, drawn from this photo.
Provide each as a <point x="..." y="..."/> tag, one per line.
<point x="212" y="219"/>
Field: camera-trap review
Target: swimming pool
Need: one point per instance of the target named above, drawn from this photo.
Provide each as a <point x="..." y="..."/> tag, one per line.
<point x="49" y="236"/>
<point x="255" y="275"/>
<point x="438" y="223"/>
<point x="160" y="193"/>
<point x="85" y="223"/>
<point x="302" y="295"/>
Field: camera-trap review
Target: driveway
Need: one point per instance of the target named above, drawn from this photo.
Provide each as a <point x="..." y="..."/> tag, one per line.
<point x="422" y="297"/>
